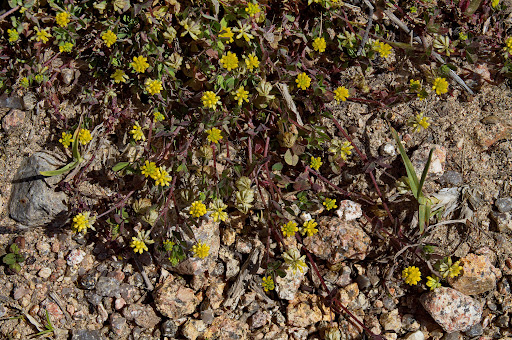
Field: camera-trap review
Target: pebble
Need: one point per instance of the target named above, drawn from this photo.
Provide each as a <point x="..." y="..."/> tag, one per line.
<point x="207" y="316"/>
<point x="36" y="202"/>
<point x="418" y="335"/>
<point x="84" y="334"/>
<point x="118" y="324"/>
<point x="387" y="150"/>
<point x="363" y="282"/>
<point x="2" y="311"/>
<point x="349" y="210"/>
<point x="225" y="328"/>
<point x="452" y="336"/>
<point x="304" y="310"/>
<point x="504" y="204"/>
<point x="192" y="329"/>
<point x="503" y="221"/>
<point x="173" y="299"/>
<point x="67" y="75"/>
<point x="169" y="328"/>
<point x="259" y="319"/>
<point x="214" y="293"/>
<point x="119" y="303"/>
<point x="88" y="281"/>
<point x="287" y="287"/>
<point x="143" y="315"/>
<point x="13" y="120"/>
<point x="409" y="323"/>
<point x="477" y="276"/>
<point x="338" y="240"/>
<point x="75" y="257"/>
<point x="391" y="321"/>
<point x="419" y="160"/>
<point x="11" y="102"/>
<point x="45" y="272"/>
<point x="108" y="286"/>
<point x="476" y="330"/>
<point x="451" y="178"/>
<point x="451" y="309"/>
<point x="503" y="321"/>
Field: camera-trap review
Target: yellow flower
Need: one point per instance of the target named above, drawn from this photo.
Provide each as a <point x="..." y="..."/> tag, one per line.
<point x="330" y="204"/>
<point x="229" y="61"/>
<point x="66" y="139"/>
<point x="168" y="245"/>
<point x="495" y="3"/>
<point x="382" y="48"/>
<point x="210" y="100"/>
<point x="268" y="283"/>
<point x="65" y="47"/>
<point x="508" y="43"/>
<point x="25" y="82"/>
<point x="316" y="163"/>
<point x="341" y="150"/>
<point x="294" y="261"/>
<point x="84" y="136"/>
<point x="415" y="85"/>
<point x="139" y="64"/>
<point x="243" y="31"/>
<point x="227" y="34"/>
<point x="13" y="35"/>
<point x="62" y="19"/>
<point x="319" y="44"/>
<point x="153" y="86"/>
<point x="253" y="8"/>
<point x="241" y="95"/>
<point x="214" y="135"/>
<point x="197" y="209"/>
<point x="309" y="227"/>
<point x="137" y="132"/>
<point x="141" y="241"/>
<point x="341" y="93"/>
<point x="42" y="35"/>
<point x="158" y="116"/>
<point x="411" y="275"/>
<point x="251" y="61"/>
<point x="119" y="76"/>
<point x="163" y="179"/>
<point x="109" y="38"/>
<point x="419" y="122"/>
<point x="440" y="86"/>
<point x="200" y="250"/>
<point x="217" y="210"/>
<point x="433" y="282"/>
<point x="289" y="229"/>
<point x="191" y="27"/>
<point x="303" y="81"/>
<point x="150" y="169"/>
<point x="82" y="222"/>
<point x="448" y="269"/>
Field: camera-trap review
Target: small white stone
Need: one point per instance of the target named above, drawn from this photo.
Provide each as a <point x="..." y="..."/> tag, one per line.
<point x="75" y="257"/>
<point x="45" y="273"/>
<point x="349" y="210"/>
<point x="305" y="216"/>
<point x="418" y="335"/>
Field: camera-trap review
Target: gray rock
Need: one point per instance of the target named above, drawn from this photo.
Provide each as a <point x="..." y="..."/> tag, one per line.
<point x="29" y="101"/>
<point x="143" y="315"/>
<point x="192" y="329"/>
<point x="503" y="221"/>
<point x="94" y="299"/>
<point x="476" y="330"/>
<point x="169" y="328"/>
<point x="108" y="286"/>
<point x="451" y="309"/>
<point x="420" y="157"/>
<point x="452" y="178"/>
<point x="418" y="335"/>
<point x="504" y="204"/>
<point x="452" y="336"/>
<point x="391" y="321"/>
<point x="88" y="281"/>
<point x="363" y="282"/>
<point x="84" y="334"/>
<point x="118" y="325"/>
<point x="34" y="201"/>
<point x="2" y="311"/>
<point x="503" y="321"/>
<point x="67" y="75"/>
<point x="11" y="102"/>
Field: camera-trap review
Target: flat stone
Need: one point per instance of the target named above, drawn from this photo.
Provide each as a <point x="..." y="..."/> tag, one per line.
<point x="192" y="329"/>
<point x="75" y="257"/>
<point x="451" y="178"/>
<point x="287" y="287"/>
<point x="34" y="201"/>
<point x="225" y="328"/>
<point x="477" y="275"/>
<point x="84" y="334"/>
<point x="305" y="310"/>
<point x="108" y="286"/>
<point x="391" y="321"/>
<point x="143" y="315"/>
<point x="338" y="240"/>
<point x="174" y="300"/>
<point x="45" y="272"/>
<point x="13" y="120"/>
<point x="11" y="102"/>
<point x="504" y="204"/>
<point x="451" y="309"/>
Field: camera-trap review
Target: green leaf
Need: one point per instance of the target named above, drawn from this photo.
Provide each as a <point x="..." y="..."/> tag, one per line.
<point x="60" y="171"/>
<point x="120" y="166"/>
<point x="277" y="166"/>
<point x="229" y="84"/>
<point x="9" y="259"/>
<point x="411" y="174"/>
<point x="425" y="170"/>
<point x="16" y="267"/>
<point x="76" y="153"/>
<point x="14" y="248"/>
<point x="280" y="273"/>
<point x="290" y="158"/>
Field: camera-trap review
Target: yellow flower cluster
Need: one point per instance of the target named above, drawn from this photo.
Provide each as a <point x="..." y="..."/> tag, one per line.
<point x="109" y="38"/>
<point x="197" y="209"/>
<point x="137" y="133"/>
<point x="419" y="122"/>
<point x="42" y="35"/>
<point x="210" y="100"/>
<point x="252" y="8"/>
<point x="141" y="241"/>
<point x="229" y="61"/>
<point x="508" y="45"/>
<point x="66" y="139"/>
<point x="316" y="163"/>
<point x="227" y="34"/>
<point x="411" y="275"/>
<point x="303" y="81"/>
<point x="84" y="136"/>
<point x="159" y="174"/>
<point x="251" y="62"/>
<point x="268" y="283"/>
<point x="289" y="229"/>
<point x="200" y="250"/>
<point x="82" y="222"/>
<point x="433" y="282"/>
<point x="309" y="228"/>
<point x="341" y="93"/>
<point x="214" y="135"/>
<point x="140" y="64"/>
<point x="65" y="47"/>
<point x="62" y="19"/>
<point x="440" y="86"/>
<point x="119" y="76"/>
<point x="330" y="203"/>
<point x="241" y="95"/>
<point x="382" y="48"/>
<point x="319" y="44"/>
<point x="153" y="86"/>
